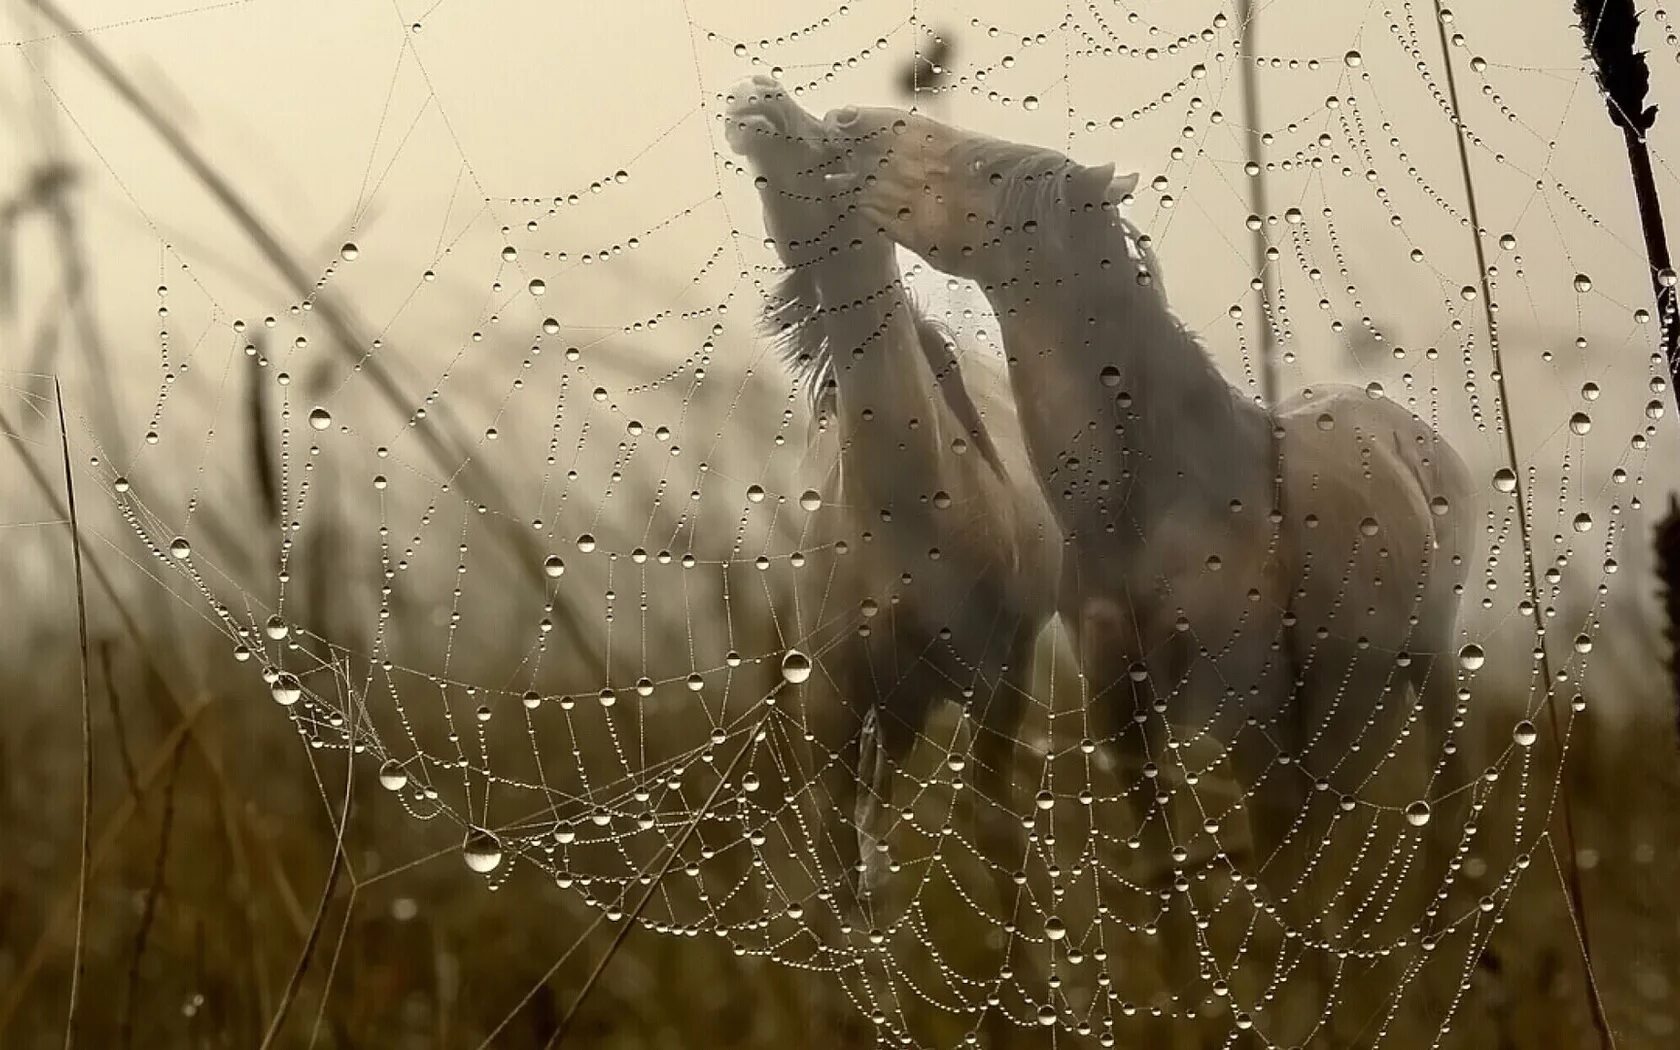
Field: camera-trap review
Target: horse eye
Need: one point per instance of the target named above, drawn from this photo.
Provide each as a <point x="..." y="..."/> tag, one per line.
<point x="975" y="165"/>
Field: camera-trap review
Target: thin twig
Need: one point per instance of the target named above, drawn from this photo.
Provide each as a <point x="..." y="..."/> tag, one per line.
<point x="1577" y="893"/>
<point x="87" y="726"/>
<point x="153" y="892"/>
<point x="1668" y="572"/>
<point x="333" y="872"/>
<point x="111" y="694"/>
<point x="630" y="920"/>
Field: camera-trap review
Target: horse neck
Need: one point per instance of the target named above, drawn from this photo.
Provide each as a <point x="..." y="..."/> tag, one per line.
<point x="1185" y="438"/>
<point x="892" y="423"/>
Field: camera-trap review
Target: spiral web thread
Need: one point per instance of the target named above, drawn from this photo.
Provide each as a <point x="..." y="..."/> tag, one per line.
<point x="560" y="680"/>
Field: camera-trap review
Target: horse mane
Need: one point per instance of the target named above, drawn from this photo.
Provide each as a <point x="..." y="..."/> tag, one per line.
<point x="806" y="349"/>
<point x="801" y="343"/>
<point x="1081" y="229"/>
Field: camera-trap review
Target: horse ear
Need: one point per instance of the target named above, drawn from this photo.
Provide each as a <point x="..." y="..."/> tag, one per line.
<point x="1091" y="185"/>
<point x="1125" y="184"/>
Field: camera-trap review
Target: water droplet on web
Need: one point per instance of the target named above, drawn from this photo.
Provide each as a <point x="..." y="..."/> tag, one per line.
<point x="1353" y="59"/>
<point x="810" y="500"/>
<point x="755" y="493"/>
<point x="554" y="567"/>
<point x="1505" y="479"/>
<point x="796" y="667"/>
<point x="319" y="418"/>
<point x="1054" y="928"/>
<point x="1580" y="422"/>
<point x="1583" y="283"/>
<point x="1583" y="522"/>
<point x="586" y="543"/>
<point x="348" y="251"/>
<point x="1508" y="241"/>
<point x="1439" y="506"/>
<point x="1417" y="814"/>
<point x="1047" y="1015"/>
<point x="538" y="286"/>
<point x="1471" y="657"/>
<point x="482" y="850"/>
<point x="287" y="690"/>
<point x="1525" y="734"/>
<point x="1030" y="102"/>
<point x="276" y="628"/>
<point x="1110" y="376"/>
<point x="180" y="548"/>
<point x="1667" y="277"/>
<point x="392" y="776"/>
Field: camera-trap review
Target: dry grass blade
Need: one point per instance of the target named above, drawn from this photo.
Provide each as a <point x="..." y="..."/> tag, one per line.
<point x="87" y="727"/>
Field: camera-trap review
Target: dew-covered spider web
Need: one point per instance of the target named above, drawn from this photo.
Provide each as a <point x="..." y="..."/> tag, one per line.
<point x="518" y="502"/>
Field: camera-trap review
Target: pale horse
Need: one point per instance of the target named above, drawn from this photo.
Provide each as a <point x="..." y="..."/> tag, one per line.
<point x="1284" y="581"/>
<point x="951" y="553"/>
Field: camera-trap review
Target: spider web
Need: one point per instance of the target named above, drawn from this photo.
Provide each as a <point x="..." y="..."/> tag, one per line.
<point x="551" y="548"/>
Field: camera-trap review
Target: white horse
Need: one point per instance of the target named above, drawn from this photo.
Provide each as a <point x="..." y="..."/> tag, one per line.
<point x="1284" y="581"/>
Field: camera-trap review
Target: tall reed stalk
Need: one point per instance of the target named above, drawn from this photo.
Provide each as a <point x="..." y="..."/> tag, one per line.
<point x="1572" y="876"/>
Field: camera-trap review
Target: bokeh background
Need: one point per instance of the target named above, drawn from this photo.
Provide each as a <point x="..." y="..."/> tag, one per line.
<point x="420" y="165"/>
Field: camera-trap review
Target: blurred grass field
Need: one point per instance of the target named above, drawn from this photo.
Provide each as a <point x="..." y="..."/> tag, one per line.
<point x="213" y="812"/>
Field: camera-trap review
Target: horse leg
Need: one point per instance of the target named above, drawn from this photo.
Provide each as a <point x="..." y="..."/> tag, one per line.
<point x="1000" y="836"/>
<point x="1105" y="639"/>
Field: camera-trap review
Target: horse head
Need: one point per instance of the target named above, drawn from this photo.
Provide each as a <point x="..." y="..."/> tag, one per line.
<point x="970" y="204"/>
<point x="794" y="157"/>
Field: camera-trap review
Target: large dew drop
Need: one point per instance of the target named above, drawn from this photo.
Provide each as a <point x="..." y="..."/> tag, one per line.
<point x="392" y="776"/>
<point x="319" y="418"/>
<point x="1471" y="657"/>
<point x="810" y="500"/>
<point x="1417" y="814"/>
<point x="482" y="850"/>
<point x="796" y="667"/>
<point x="287" y="690"/>
<point x="1525" y="734"/>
